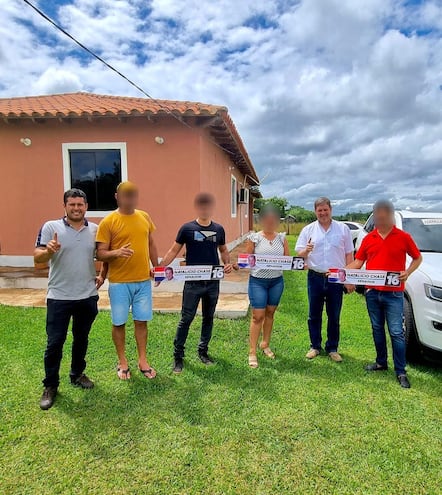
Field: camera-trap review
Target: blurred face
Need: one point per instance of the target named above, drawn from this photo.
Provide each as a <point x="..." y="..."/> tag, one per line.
<point x="169" y="273"/>
<point x="127" y="200"/>
<point x="383" y="218"/>
<point x="270" y="222"/>
<point x="75" y="209"/>
<point x="205" y="210"/>
<point x="323" y="213"/>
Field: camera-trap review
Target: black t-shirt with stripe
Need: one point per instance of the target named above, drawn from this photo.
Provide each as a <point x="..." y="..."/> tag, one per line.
<point x="201" y="242"/>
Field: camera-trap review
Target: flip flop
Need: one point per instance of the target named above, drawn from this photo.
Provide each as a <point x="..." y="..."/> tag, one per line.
<point x="253" y="361"/>
<point x="268" y="352"/>
<point x="149" y="373"/>
<point x="122" y="374"/>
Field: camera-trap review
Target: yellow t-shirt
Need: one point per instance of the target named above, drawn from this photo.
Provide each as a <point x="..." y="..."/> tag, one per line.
<point x="118" y="230"/>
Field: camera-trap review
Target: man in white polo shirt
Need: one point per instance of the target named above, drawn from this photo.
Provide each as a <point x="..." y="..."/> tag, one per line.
<point x="68" y="245"/>
<point x="325" y="244"/>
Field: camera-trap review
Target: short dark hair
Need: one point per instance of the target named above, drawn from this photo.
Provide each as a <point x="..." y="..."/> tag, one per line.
<point x="204" y="198"/>
<point x="323" y="201"/>
<point x="384" y="204"/>
<point x="74" y="193"/>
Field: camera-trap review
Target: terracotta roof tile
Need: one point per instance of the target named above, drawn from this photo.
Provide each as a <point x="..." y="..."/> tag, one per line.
<point x="83" y="105"/>
<point x="86" y="104"/>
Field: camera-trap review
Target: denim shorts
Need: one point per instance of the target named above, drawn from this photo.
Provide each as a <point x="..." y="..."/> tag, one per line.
<point x="135" y="295"/>
<point x="265" y="292"/>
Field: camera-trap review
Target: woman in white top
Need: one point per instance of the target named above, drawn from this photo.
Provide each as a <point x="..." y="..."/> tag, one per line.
<point x="265" y="286"/>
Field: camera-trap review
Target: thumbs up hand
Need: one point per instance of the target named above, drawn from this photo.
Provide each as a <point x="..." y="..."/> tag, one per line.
<point x="53" y="246"/>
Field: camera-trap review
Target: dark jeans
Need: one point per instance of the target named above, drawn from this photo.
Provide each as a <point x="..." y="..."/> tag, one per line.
<point x="207" y="292"/>
<point x="59" y="313"/>
<point x="388" y="306"/>
<point x="320" y="291"/>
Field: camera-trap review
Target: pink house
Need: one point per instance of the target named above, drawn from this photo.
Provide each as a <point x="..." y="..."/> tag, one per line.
<point x="171" y="149"/>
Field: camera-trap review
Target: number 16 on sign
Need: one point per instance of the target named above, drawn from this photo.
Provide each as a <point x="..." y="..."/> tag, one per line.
<point x="392" y="279"/>
<point x="217" y="272"/>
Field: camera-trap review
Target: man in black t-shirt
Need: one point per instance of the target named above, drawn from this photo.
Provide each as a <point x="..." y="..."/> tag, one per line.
<point x="202" y="238"/>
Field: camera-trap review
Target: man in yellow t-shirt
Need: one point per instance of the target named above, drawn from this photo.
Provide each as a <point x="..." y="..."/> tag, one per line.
<point x="125" y="242"/>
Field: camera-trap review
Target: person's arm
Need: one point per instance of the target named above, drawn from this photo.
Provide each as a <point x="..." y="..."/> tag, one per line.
<point x="414" y="252"/>
<point x="250" y="247"/>
<point x="286" y="247"/>
<point x="104" y="253"/>
<point x="355" y="265"/>
<point x="101" y="277"/>
<point x="153" y="251"/>
<point x="414" y="265"/>
<point x="349" y="259"/>
<point x="304" y="245"/>
<point x="360" y="258"/>
<point x="225" y="256"/>
<point x="173" y="252"/>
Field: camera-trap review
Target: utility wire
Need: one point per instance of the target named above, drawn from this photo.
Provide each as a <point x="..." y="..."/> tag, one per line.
<point x="107" y="64"/>
<point x="112" y="68"/>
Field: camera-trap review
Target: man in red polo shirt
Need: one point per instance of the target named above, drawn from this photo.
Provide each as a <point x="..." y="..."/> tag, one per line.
<point x="386" y="248"/>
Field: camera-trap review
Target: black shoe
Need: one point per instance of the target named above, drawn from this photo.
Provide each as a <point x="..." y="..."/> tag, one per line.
<point x="375" y="367"/>
<point x="178" y="366"/>
<point x="82" y="381"/>
<point x="48" y="398"/>
<point x="403" y="381"/>
<point x="205" y="358"/>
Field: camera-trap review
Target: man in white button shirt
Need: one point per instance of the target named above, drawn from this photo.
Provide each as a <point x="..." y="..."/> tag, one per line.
<point x="325" y="244"/>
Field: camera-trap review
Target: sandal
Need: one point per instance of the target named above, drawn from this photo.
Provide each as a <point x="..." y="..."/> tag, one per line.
<point x="123" y="374"/>
<point x="253" y="361"/>
<point x="149" y="373"/>
<point x="268" y="352"/>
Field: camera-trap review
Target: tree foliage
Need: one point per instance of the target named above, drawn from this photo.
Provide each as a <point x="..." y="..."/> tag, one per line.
<point x="280" y="203"/>
<point x="301" y="214"/>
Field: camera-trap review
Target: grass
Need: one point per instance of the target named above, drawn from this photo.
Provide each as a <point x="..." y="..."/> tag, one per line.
<point x="289" y="427"/>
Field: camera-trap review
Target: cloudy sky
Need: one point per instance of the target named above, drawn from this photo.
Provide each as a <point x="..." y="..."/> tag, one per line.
<point x="337" y="97"/>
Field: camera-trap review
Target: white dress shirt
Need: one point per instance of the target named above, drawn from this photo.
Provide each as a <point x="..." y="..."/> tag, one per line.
<point x="330" y="246"/>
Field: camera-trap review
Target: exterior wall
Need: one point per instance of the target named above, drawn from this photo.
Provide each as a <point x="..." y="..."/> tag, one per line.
<point x="167" y="174"/>
<point x="216" y="171"/>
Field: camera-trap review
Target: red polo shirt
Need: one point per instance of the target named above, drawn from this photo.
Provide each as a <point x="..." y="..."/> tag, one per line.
<point x="387" y="254"/>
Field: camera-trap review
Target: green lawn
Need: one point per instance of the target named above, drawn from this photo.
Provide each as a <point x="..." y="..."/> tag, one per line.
<point x="289" y="427"/>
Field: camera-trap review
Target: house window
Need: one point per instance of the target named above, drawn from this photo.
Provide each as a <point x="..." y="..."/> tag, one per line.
<point x="97" y="169"/>
<point x="234" y="197"/>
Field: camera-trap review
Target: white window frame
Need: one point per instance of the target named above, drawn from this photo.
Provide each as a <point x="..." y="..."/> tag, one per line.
<point x="66" y="147"/>
<point x="233" y="196"/>
<point x="247" y="195"/>
<point x="247" y="191"/>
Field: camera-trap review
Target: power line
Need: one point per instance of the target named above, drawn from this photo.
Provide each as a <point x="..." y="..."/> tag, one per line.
<point x="112" y="68"/>
<point x="109" y="66"/>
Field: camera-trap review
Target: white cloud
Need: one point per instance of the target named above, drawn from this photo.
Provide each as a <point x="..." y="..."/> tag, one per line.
<point x="54" y="81"/>
<point x="331" y="96"/>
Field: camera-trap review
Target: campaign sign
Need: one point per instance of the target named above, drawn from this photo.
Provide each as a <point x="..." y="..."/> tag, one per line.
<point x="370" y="278"/>
<point x="264" y="262"/>
<point x="188" y="273"/>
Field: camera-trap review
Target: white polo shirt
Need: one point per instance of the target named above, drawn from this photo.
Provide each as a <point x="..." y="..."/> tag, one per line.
<point x="331" y="246"/>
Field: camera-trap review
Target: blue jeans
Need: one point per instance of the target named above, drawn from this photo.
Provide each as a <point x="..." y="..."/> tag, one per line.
<point x="265" y="292"/>
<point x="320" y="291"/>
<point x="388" y="306"/>
<point x="207" y="292"/>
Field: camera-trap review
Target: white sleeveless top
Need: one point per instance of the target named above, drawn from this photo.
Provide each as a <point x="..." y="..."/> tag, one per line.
<point x="264" y="246"/>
